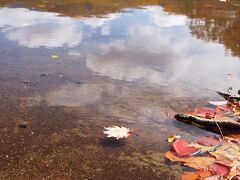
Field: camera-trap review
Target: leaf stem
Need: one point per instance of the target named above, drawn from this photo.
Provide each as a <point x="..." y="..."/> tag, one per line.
<point x="219" y="130"/>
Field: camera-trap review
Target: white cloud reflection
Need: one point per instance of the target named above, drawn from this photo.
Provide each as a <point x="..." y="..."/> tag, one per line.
<point x="148" y="54"/>
<point x="69" y="95"/>
<point x="154" y="46"/>
<point x="72" y="95"/>
<point x="163" y="19"/>
<point x="96" y="22"/>
<point x="119" y="69"/>
<point x="161" y="51"/>
<point x="34" y="29"/>
<point x="55" y="35"/>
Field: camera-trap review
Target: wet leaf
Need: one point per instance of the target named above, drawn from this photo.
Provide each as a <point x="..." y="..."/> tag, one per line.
<point x="181" y="147"/>
<point x="229" y="155"/>
<point x="200" y="162"/>
<point x="208" y="141"/>
<point x="189" y="176"/>
<point x="200" y="174"/>
<point x="204" y="110"/>
<point x="230" y="150"/>
<point x="235" y="170"/>
<point x="220" y="169"/>
<point x="202" y="149"/>
<point x="194" y="162"/>
<point x="221" y="156"/>
<point x="233" y="137"/>
<point x="224" y="108"/>
<point x="221" y="159"/>
<point x="214" y="177"/>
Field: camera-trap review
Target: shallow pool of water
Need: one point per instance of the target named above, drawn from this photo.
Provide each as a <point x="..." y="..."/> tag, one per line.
<point x="70" y="68"/>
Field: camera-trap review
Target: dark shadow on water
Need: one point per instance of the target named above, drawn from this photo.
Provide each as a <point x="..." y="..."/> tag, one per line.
<point x="112" y="142"/>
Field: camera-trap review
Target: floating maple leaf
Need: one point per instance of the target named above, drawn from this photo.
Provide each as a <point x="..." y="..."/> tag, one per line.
<point x="117" y="132"/>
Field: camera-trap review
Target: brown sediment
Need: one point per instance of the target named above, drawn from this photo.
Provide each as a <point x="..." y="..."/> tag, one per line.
<point x="64" y="141"/>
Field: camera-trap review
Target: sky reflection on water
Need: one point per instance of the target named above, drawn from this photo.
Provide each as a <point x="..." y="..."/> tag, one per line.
<point x="148" y="46"/>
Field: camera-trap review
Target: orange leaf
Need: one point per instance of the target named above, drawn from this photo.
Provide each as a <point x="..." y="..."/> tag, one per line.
<point x="194" y="162"/>
<point x="200" y="174"/>
<point x="189" y="176"/>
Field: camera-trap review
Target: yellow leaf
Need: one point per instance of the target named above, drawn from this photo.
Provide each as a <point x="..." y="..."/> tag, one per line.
<point x="173" y="138"/>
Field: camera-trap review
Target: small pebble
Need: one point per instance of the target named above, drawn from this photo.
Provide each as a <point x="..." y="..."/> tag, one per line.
<point x="43" y="74"/>
<point x="22" y="125"/>
<point x="26" y="82"/>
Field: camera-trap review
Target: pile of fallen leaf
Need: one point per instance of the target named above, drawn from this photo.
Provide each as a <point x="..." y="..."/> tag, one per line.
<point x="219" y="116"/>
<point x="229" y="108"/>
<point x="210" y="157"/>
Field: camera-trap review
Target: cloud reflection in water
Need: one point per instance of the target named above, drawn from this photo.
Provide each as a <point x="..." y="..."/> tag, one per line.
<point x="148" y="45"/>
<point x="34" y="29"/>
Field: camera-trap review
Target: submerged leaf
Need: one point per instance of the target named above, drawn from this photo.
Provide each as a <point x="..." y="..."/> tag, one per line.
<point x="208" y="141"/>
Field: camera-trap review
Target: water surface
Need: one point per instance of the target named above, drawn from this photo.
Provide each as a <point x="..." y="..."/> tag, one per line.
<point x="69" y="68"/>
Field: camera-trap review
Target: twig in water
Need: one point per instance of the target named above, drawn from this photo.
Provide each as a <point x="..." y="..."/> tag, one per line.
<point x="219" y="130"/>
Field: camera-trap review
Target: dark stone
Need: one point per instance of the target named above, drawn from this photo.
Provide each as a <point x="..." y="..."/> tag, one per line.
<point x="22" y="125"/>
<point x="43" y="74"/>
<point x="26" y="82"/>
<point x="112" y="142"/>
